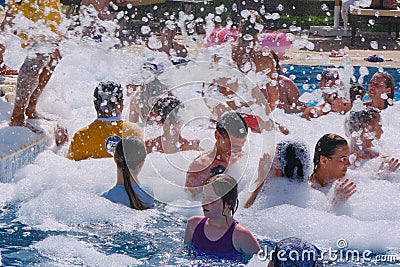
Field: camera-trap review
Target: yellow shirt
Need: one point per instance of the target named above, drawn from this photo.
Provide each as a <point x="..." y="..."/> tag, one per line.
<point x="98" y="139"/>
<point x="39" y="12"/>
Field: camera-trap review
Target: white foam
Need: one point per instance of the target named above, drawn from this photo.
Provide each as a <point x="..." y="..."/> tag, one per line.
<point x="69" y="251"/>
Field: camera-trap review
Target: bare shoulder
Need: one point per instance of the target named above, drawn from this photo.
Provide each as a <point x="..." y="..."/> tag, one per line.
<point x="190" y="227"/>
<point x="244" y="241"/>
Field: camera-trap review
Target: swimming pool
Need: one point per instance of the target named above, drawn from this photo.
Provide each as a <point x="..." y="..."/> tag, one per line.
<point x="53" y="214"/>
<point x="305" y="77"/>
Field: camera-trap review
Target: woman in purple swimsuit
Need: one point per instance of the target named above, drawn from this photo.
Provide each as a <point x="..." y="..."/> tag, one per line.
<point x="217" y="233"/>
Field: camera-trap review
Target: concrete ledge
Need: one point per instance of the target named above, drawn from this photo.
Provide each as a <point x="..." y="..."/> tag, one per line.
<point x="329" y="31"/>
<point x="20" y="147"/>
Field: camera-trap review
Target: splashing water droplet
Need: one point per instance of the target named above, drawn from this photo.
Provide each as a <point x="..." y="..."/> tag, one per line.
<point x="145" y="29"/>
<point x="371" y="21"/>
<point x="374" y="44"/>
<point x="324" y="7"/>
<point x="280" y="7"/>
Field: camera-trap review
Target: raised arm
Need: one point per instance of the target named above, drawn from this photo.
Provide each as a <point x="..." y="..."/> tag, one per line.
<point x="264" y="166"/>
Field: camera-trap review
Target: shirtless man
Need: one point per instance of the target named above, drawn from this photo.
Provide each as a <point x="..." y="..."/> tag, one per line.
<point x="230" y="134"/>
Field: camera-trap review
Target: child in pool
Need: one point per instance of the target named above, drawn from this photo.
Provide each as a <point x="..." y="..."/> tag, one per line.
<point x="129" y="157"/>
<point x="363" y="128"/>
<point x="291" y="161"/>
<point x="217" y="233"/>
<point x="331" y="160"/>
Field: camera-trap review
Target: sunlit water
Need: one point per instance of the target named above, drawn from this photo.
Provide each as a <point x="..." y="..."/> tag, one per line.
<point x="53" y="213"/>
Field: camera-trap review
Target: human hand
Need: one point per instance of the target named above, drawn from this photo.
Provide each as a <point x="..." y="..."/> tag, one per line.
<point x="392" y="165"/>
<point x="309" y="113"/>
<point x="343" y="191"/>
<point x="60" y="135"/>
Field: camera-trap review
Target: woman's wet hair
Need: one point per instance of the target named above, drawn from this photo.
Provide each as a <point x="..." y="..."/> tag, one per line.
<point x="278" y="66"/>
<point x="129" y="153"/>
<point x="232" y="123"/>
<point x="327" y="146"/>
<point x="357" y="92"/>
<point x="106" y="97"/>
<point x="357" y="120"/>
<point x="167" y="107"/>
<point x="251" y="23"/>
<point x="294" y="158"/>
<point x="390" y="83"/>
<point x="225" y="187"/>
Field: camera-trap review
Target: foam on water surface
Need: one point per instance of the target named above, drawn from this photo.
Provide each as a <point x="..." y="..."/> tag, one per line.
<point x="58" y="201"/>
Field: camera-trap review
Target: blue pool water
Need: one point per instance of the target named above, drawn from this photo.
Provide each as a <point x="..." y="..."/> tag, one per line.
<point x="306" y="77"/>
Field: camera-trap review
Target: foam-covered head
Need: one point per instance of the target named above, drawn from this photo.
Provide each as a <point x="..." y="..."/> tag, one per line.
<point x="168" y="107"/>
<point x="294" y="159"/>
<point x="295" y="252"/>
<point x="357" y="92"/>
<point x="251" y="23"/>
<point x="363" y="125"/>
<point x="107" y="97"/>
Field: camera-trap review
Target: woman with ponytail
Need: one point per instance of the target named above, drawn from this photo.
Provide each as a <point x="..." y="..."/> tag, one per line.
<point x="217" y="233"/>
<point x="291" y="161"/>
<point x="129" y="156"/>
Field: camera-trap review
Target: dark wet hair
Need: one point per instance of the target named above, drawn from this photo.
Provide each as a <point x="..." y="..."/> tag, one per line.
<point x="232" y="123"/>
<point x="217" y="170"/>
<point x="390" y="83"/>
<point x="356" y="92"/>
<point x="249" y="24"/>
<point x="294" y="159"/>
<point x="164" y="107"/>
<point x="107" y="95"/>
<point x="129" y="153"/>
<point x="225" y="187"/>
<point x="360" y="119"/>
<point x="327" y="146"/>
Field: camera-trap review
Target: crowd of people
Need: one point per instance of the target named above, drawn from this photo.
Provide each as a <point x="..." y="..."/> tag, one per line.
<point x="216" y="233"/>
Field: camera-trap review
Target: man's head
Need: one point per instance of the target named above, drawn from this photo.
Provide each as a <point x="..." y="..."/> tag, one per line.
<point x="108" y="99"/>
<point x="231" y="132"/>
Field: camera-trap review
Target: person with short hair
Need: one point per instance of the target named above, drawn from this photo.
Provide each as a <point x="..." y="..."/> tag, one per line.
<point x="331" y="161"/>
<point x="129" y="156"/>
<point x="381" y="90"/>
<point x="98" y="139"/>
<point x="230" y="134"/>
<point x="295" y="252"/>
<point x="217" y="233"/>
<point x="291" y="161"/>
<point x="166" y="110"/>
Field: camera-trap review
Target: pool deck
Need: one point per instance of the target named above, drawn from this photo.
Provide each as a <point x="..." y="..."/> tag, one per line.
<point x="388" y="48"/>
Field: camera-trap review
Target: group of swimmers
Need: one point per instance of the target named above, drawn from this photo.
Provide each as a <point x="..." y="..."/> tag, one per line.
<point x="217" y="233"/>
